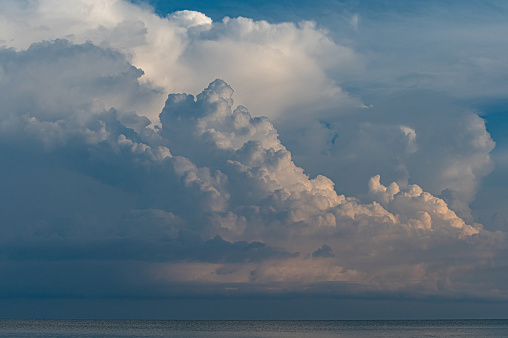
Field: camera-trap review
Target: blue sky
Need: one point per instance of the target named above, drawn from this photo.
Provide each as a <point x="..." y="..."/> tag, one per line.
<point x="273" y="160"/>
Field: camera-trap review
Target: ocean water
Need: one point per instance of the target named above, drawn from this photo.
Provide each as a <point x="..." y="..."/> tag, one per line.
<point x="219" y="328"/>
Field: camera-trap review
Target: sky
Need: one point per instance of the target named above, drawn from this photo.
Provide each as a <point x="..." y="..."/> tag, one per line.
<point x="253" y="160"/>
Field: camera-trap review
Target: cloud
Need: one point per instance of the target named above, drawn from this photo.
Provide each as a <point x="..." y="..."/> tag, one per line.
<point x="324" y="251"/>
<point x="449" y="48"/>
<point x="53" y="83"/>
<point x="209" y="193"/>
<point x="415" y="137"/>
<point x="355" y="19"/>
<point x="289" y="72"/>
<point x="275" y="67"/>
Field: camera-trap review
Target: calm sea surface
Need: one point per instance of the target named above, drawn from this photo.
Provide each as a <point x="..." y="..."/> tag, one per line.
<point x="218" y="328"/>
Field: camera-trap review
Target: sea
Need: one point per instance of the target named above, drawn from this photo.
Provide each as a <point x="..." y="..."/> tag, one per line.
<point x="252" y="328"/>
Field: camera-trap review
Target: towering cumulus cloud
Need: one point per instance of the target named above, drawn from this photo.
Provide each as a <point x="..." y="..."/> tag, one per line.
<point x="107" y="192"/>
<point x="290" y="72"/>
<point x="210" y="194"/>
